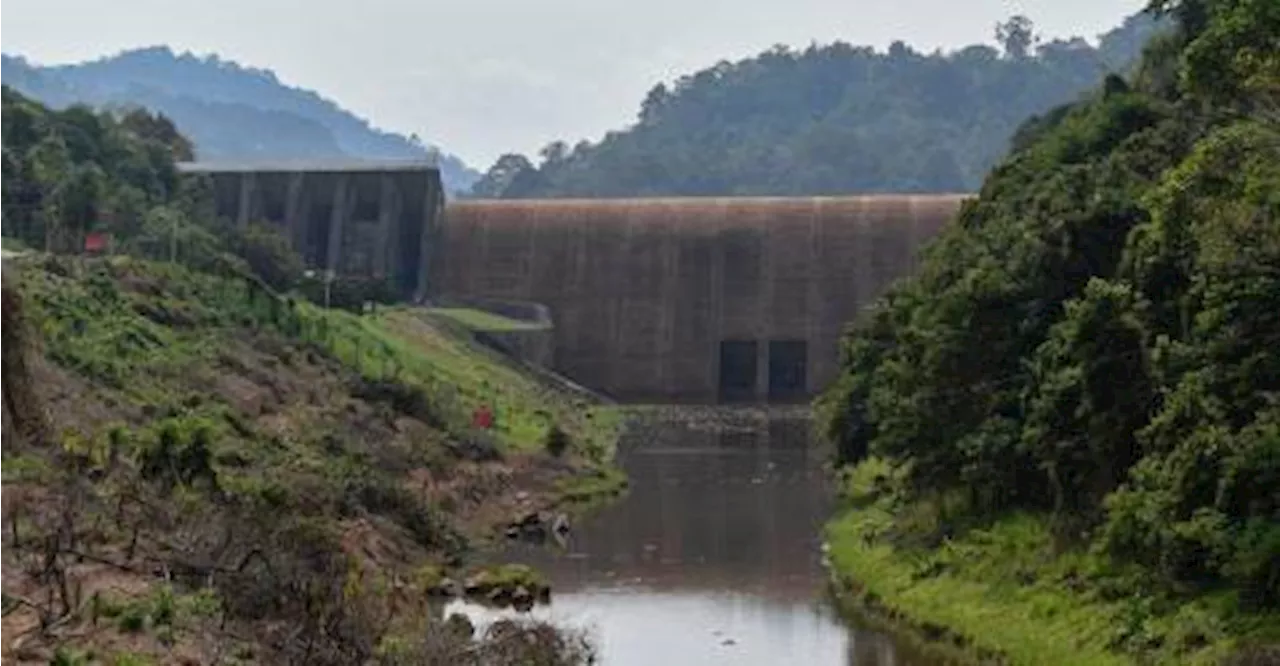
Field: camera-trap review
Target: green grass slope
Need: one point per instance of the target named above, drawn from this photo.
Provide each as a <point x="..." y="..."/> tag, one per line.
<point x="192" y="464"/>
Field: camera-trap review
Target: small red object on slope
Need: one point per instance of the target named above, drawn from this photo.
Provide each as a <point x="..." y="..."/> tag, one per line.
<point x="95" y="242"/>
<point x="482" y="418"/>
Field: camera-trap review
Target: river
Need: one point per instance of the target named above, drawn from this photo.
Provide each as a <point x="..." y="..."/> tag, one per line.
<point x="713" y="557"/>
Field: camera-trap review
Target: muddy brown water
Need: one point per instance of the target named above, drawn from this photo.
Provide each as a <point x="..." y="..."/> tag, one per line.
<point x="713" y="557"/>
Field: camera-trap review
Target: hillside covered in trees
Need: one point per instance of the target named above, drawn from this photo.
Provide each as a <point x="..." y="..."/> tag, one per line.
<point x="828" y="119"/>
<point x="1075" y="404"/>
<point x="229" y="111"/>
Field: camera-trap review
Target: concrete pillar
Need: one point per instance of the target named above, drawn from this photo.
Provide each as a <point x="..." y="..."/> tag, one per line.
<point x="764" y="308"/>
<point x="526" y="268"/>
<point x="432" y="209"/>
<point x="866" y="279"/>
<point x="761" y="393"/>
<point x="337" y="220"/>
<point x="618" y="334"/>
<point x="717" y="222"/>
<point x="248" y="189"/>
<point x="816" y="353"/>
<point x="295" y="219"/>
<point x="670" y="307"/>
<point x="387" y="214"/>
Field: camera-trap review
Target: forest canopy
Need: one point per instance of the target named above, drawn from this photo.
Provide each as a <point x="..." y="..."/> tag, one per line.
<point x="829" y="119"/>
<point x="77" y="171"/>
<point x="1093" y="339"/>
<point x="67" y="173"/>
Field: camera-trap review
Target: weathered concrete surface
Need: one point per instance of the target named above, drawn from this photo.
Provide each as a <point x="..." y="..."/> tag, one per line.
<point x="357" y="218"/>
<point x="644" y="292"/>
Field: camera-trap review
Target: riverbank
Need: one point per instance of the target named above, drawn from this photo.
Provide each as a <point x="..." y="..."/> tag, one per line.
<point x="1006" y="592"/>
<point x="196" y="468"/>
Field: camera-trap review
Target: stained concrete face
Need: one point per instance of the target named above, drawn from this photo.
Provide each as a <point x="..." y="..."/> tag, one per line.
<point x="357" y="219"/>
<point x="662" y="299"/>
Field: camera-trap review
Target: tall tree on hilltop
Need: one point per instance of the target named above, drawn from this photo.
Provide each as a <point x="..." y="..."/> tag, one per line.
<point x="1017" y="36"/>
<point x="500" y="177"/>
<point x="1192" y="15"/>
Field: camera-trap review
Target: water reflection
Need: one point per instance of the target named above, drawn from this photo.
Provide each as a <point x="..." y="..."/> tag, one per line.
<point x="713" y="557"/>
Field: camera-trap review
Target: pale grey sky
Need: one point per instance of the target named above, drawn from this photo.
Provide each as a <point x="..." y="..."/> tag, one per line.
<point x="482" y="77"/>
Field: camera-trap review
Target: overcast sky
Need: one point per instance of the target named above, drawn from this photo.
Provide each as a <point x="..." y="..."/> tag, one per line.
<point x="482" y="77"/>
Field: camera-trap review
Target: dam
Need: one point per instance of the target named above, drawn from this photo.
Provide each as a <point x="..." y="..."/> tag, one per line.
<point x="692" y="300"/>
<point x="664" y="300"/>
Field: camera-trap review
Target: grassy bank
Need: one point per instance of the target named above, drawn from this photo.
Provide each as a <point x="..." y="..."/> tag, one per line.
<point x="1007" y="590"/>
<point x="403" y="344"/>
<point x="197" y="469"/>
<point x="481" y="320"/>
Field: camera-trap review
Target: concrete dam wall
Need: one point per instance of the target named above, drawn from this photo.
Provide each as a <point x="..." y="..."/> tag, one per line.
<point x="692" y="299"/>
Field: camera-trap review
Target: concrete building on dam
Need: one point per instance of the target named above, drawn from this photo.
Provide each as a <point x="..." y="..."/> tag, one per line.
<point x="691" y="299"/>
<point x="367" y="219"/>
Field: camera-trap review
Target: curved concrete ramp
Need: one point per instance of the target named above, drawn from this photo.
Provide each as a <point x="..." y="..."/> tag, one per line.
<point x="690" y="299"/>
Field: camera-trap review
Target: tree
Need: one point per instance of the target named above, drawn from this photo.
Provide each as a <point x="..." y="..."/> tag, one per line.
<point x="1092" y="342"/>
<point x="554" y="154"/>
<point x="1235" y="60"/>
<point x="83" y="199"/>
<point x="50" y="169"/>
<point x="1017" y="36"/>
<point x="498" y="179"/>
<point x="269" y="255"/>
<point x="1192" y="16"/>
<point x="653" y="103"/>
<point x="160" y="129"/>
<point x="1080" y="422"/>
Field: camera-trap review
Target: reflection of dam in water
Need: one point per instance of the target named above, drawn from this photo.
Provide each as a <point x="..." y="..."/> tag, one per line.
<point x="728" y="508"/>
<point x="718" y="540"/>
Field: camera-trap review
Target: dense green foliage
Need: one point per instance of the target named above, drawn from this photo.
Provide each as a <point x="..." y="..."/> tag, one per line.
<point x="73" y="171"/>
<point x="828" y="119"/>
<point x="1093" y="339"/>
<point x="230" y="112"/>
<point x="70" y="172"/>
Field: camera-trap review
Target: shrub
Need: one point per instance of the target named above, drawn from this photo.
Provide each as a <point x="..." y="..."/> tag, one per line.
<point x="269" y="255"/>
<point x="557" y="441"/>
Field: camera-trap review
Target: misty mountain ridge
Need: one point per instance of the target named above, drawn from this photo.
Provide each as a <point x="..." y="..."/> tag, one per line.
<point x="230" y="111"/>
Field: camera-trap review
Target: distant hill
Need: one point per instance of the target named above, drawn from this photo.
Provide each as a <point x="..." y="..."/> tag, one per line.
<point x="228" y="110"/>
<point x="829" y="119"/>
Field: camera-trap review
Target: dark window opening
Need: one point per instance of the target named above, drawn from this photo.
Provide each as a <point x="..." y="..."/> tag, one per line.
<point x="737" y="370"/>
<point x="788" y="360"/>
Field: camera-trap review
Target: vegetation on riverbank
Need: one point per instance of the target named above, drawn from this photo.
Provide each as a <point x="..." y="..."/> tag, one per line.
<point x="1073" y="406"/>
<point x="1008" y="588"/>
<point x="201" y="466"/>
